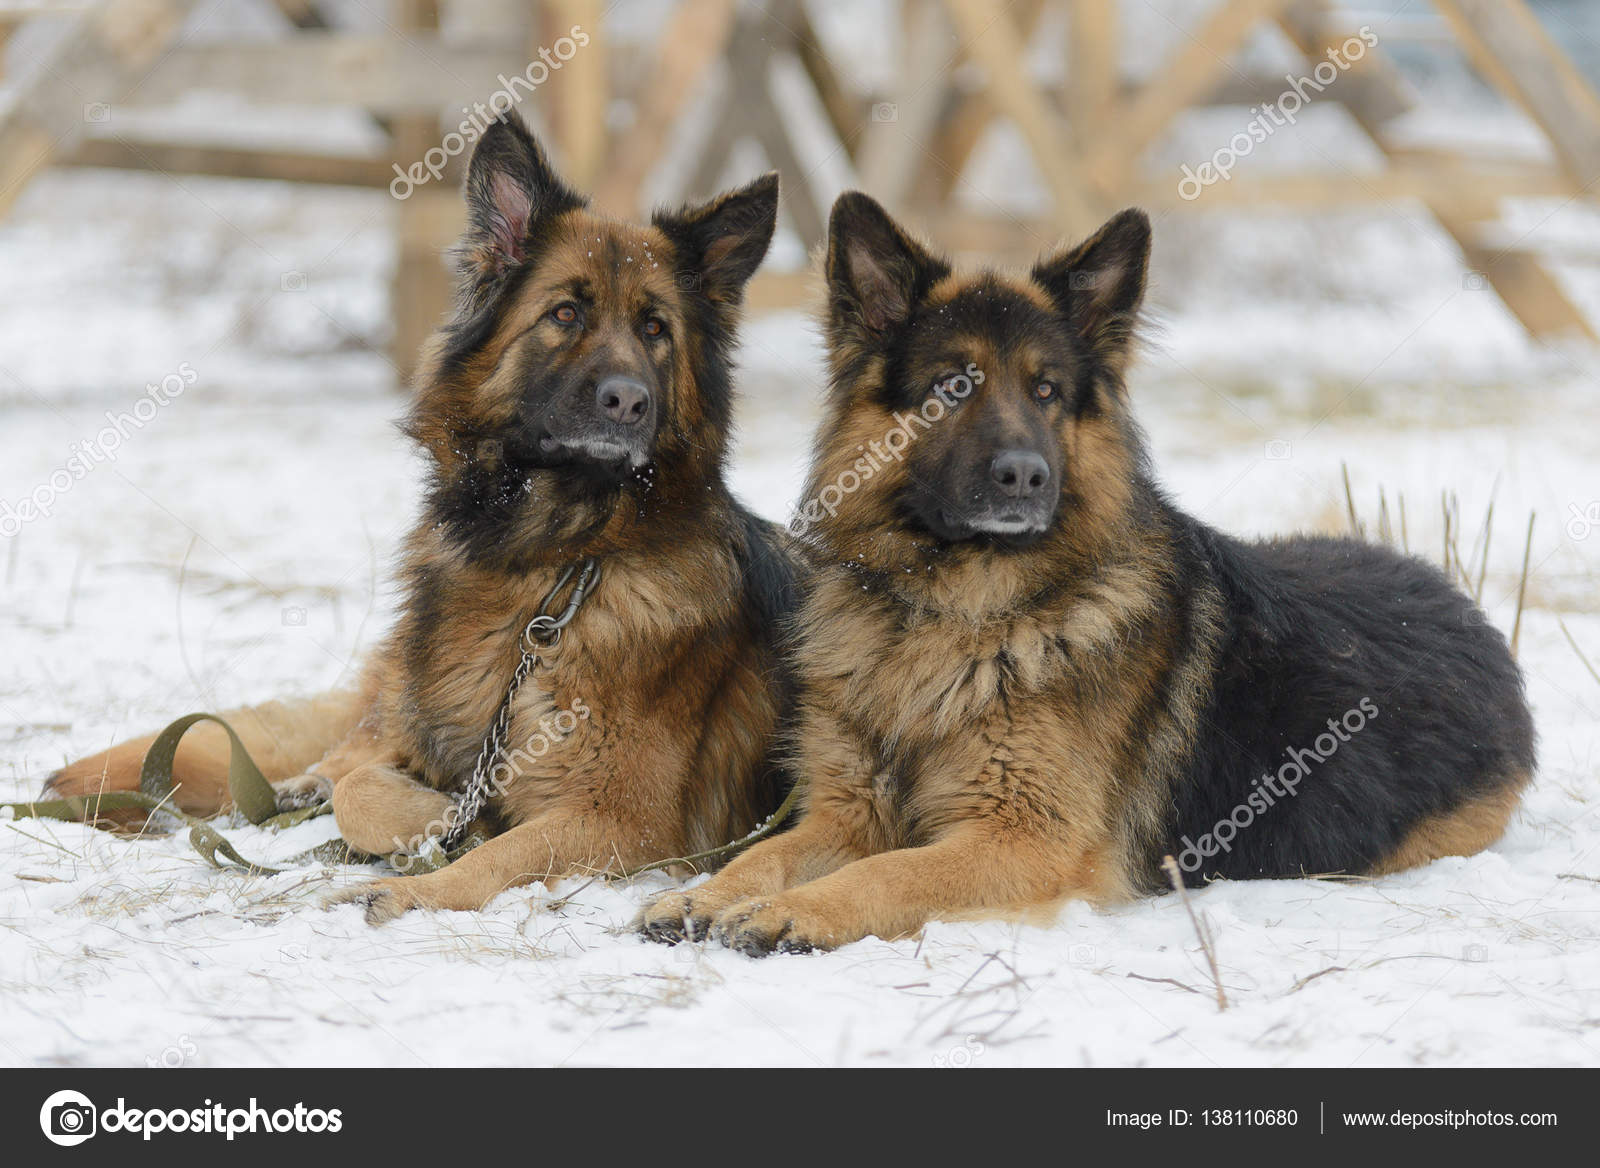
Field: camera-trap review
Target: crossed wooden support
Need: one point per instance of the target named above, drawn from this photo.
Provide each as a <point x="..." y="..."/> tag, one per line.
<point x="960" y="68"/>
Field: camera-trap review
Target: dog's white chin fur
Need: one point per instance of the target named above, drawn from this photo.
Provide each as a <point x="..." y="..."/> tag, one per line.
<point x="608" y="452"/>
<point x="1006" y="527"/>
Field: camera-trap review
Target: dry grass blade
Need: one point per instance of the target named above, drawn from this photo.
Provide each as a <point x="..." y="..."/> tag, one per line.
<point x="1350" y="504"/>
<point x="1172" y="981"/>
<point x="1483" y="564"/>
<point x="1582" y="656"/>
<point x="1522" y="587"/>
<point x="1309" y="978"/>
<point x="1201" y="928"/>
<point x="1444" y="504"/>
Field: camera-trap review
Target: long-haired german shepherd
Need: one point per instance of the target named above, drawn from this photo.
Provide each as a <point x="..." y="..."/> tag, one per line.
<point x="1026" y="675"/>
<point x="578" y="405"/>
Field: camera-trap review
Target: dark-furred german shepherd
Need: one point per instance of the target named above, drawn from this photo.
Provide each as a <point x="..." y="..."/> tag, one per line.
<point x="1026" y="675"/>
<point x="578" y="405"/>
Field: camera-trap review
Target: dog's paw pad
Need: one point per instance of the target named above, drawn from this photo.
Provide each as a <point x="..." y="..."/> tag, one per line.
<point x="301" y="792"/>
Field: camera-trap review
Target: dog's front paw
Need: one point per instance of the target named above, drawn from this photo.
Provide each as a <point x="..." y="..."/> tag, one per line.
<point x="302" y="791"/>
<point x="384" y="900"/>
<point x="782" y="924"/>
<point x="683" y="916"/>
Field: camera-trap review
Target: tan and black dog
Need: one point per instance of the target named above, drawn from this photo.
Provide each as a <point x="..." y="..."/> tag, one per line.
<point x="578" y="405"/>
<point x="1027" y="676"/>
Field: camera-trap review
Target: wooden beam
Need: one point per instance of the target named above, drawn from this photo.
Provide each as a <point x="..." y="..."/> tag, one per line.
<point x="126" y="153"/>
<point x="16" y="11"/>
<point x="420" y="291"/>
<point x="1438" y="184"/>
<point x="964" y="121"/>
<point x="1372" y="89"/>
<point x="302" y="14"/>
<point x="583" y="91"/>
<point x="24" y="151"/>
<point x="966" y="117"/>
<point x="1460" y="199"/>
<point x="900" y="131"/>
<point x="96" y="58"/>
<point x="1506" y="43"/>
<point x="1529" y="289"/>
<point x="1172" y="88"/>
<point x="749" y="110"/>
<point x="769" y="291"/>
<point x="1094" y="75"/>
<point x="991" y="39"/>
<point x="693" y="41"/>
<point x="845" y="110"/>
<point x="416" y="74"/>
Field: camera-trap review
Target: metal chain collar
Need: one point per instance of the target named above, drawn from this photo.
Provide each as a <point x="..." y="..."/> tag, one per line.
<point x="542" y="634"/>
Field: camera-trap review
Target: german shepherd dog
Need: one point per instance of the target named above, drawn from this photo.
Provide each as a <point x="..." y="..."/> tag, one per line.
<point x="1025" y="675"/>
<point x="577" y="405"/>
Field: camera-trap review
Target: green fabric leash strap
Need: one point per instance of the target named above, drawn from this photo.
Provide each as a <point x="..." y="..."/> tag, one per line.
<point x="206" y="840"/>
<point x="252" y="795"/>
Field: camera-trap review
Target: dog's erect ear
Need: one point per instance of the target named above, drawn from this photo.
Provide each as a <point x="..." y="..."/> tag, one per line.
<point x="876" y="272"/>
<point x="510" y="187"/>
<point x="1099" y="285"/>
<point x="722" y="243"/>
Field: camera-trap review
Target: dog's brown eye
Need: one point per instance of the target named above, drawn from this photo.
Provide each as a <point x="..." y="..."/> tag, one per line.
<point x="1045" y="390"/>
<point x="565" y="313"/>
<point x="653" y="327"/>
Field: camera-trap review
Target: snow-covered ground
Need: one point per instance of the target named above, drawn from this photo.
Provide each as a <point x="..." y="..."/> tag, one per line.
<point x="235" y="544"/>
<point x="236" y="548"/>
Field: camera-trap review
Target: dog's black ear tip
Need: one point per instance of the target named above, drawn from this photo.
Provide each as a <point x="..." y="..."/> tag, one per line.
<point x="763" y="192"/>
<point x="1131" y="223"/>
<point x="853" y="206"/>
<point x="507" y="122"/>
<point x="508" y="143"/>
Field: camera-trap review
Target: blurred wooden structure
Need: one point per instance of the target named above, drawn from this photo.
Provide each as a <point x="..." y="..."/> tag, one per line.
<point x="617" y="109"/>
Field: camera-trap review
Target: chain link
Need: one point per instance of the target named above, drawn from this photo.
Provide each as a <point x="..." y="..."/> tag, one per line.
<point x="540" y="635"/>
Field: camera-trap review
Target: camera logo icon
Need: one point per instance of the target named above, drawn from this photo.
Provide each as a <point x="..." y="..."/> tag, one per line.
<point x="885" y="111"/>
<point x="1474" y="281"/>
<point x="1278" y="450"/>
<point x="294" y="617"/>
<point x="68" y="1118"/>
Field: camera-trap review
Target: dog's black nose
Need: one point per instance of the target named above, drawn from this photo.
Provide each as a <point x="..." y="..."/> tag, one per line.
<point x="1020" y="473"/>
<point x="622" y="399"/>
